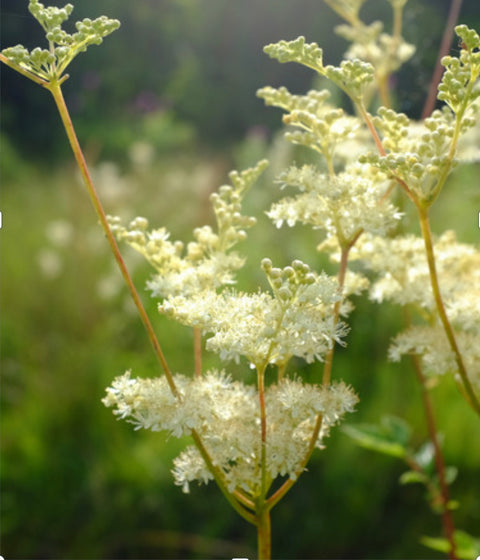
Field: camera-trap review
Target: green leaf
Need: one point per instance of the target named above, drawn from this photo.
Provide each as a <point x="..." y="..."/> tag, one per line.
<point x="468" y="547"/>
<point x="451" y="473"/>
<point x="412" y="477"/>
<point x="390" y="437"/>
<point x="424" y="457"/>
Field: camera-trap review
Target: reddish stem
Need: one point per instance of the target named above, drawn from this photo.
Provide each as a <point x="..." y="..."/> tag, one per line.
<point x="444" y="48"/>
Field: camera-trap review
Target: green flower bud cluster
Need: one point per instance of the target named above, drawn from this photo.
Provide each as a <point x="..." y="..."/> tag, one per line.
<point x="420" y="154"/>
<point x="322" y="126"/>
<point x="287" y="282"/>
<point x="469" y="37"/>
<point x="313" y="102"/>
<point x="231" y="224"/>
<point x="309" y="54"/>
<point x="50" y="64"/>
<point x="393" y="128"/>
<point x="385" y="52"/>
<point x="363" y="34"/>
<point x="227" y="205"/>
<point x="51" y="17"/>
<point x="154" y="245"/>
<point x="353" y="76"/>
<point x="322" y="133"/>
<point x="456" y="88"/>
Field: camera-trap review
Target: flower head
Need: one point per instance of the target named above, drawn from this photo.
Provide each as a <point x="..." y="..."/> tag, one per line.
<point x="225" y="414"/>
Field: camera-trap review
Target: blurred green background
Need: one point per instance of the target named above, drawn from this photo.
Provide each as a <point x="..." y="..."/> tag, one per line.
<point x="164" y="108"/>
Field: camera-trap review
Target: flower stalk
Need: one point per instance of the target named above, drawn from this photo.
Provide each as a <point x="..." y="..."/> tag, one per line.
<point x="427" y="236"/>
<point x="56" y="91"/>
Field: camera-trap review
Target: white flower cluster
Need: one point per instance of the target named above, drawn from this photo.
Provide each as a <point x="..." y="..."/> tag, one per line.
<point x="403" y="277"/>
<point x="297" y="320"/>
<point x="225" y="414"/>
<point x="342" y="206"/>
<point x="431" y="344"/>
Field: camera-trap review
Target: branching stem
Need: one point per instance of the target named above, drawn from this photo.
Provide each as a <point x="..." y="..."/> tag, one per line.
<point x="427" y="237"/>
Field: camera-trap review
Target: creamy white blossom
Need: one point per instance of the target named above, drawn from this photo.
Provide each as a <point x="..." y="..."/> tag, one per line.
<point x="341" y="206"/>
<point x="297" y="320"/>
<point x="403" y="276"/>
<point x="225" y="414"/>
<point x="431" y="344"/>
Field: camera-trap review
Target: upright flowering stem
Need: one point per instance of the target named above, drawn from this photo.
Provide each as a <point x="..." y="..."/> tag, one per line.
<point x="264" y="534"/>
<point x="262" y="508"/>
<point x="263" y="431"/>
<point x="55" y="89"/>
<point x="197" y="350"/>
<point x="427" y="236"/>
<point x="327" y="368"/>
<point x="447" y="519"/>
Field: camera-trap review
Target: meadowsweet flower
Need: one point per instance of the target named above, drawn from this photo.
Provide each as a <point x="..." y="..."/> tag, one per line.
<point x="296" y="320"/>
<point x="341" y="206"/>
<point x="403" y="277"/>
<point x="431" y="344"/>
<point x="225" y="413"/>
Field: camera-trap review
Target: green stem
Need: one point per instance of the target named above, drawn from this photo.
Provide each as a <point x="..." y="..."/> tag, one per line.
<point x="264" y="534"/>
<point x="21" y="70"/>
<point x="197" y="350"/>
<point x="263" y="431"/>
<point x="56" y="91"/>
<point x="427" y="237"/>
<point x="219" y="479"/>
<point x="327" y="368"/>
